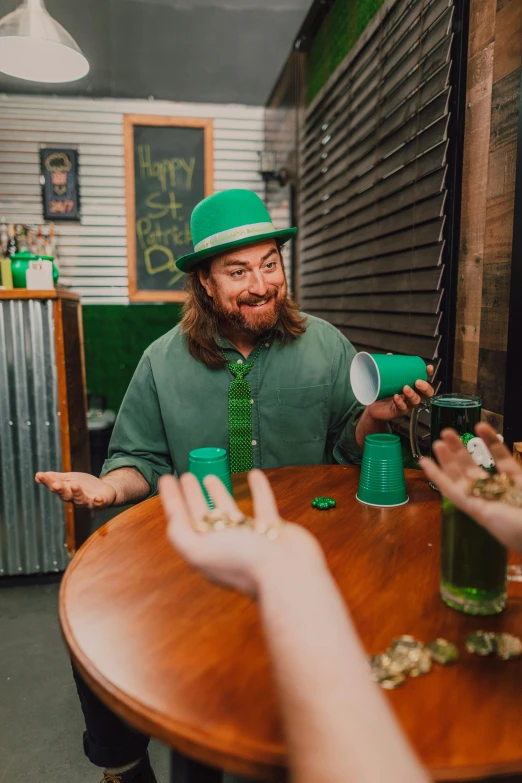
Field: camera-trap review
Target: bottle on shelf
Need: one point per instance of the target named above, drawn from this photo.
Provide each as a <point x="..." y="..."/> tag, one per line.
<point x="3" y="237"/>
<point x="30" y="238"/>
<point x="22" y="238"/>
<point x="12" y="244"/>
<point x="39" y="242"/>
<point x="47" y="251"/>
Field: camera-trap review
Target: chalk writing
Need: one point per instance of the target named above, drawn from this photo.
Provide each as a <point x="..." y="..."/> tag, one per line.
<point x="169" y="181"/>
<point x="165" y="170"/>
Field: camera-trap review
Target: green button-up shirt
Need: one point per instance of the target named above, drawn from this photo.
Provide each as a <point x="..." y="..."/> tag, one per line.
<point x="303" y="408"/>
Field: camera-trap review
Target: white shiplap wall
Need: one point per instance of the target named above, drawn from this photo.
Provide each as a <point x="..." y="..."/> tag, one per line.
<point x="92" y="253"/>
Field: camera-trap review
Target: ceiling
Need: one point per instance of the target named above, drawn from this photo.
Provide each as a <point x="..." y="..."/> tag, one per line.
<point x="224" y="51"/>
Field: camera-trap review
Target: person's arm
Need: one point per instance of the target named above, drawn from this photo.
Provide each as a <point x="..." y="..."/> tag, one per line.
<point x="333" y="713"/>
<point x="139" y="440"/>
<point x="456" y="471"/>
<point x="138" y="453"/>
<point x="115" y="489"/>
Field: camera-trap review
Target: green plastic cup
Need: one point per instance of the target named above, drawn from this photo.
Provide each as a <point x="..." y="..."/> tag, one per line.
<point x="382" y="473"/>
<point x="374" y="376"/>
<point x="210" y="462"/>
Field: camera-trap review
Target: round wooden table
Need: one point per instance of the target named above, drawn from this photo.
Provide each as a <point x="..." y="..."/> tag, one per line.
<point x="184" y="660"/>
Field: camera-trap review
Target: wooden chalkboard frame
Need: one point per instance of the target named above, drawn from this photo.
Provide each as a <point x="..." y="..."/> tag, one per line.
<point x="129" y="121"/>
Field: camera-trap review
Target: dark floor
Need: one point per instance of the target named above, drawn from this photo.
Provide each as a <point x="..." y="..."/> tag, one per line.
<point x="41" y="722"/>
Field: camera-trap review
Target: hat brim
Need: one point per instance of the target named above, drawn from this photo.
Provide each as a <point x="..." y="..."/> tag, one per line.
<point x="187" y="262"/>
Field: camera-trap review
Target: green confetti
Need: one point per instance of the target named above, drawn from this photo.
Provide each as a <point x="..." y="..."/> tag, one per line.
<point x="323" y="503"/>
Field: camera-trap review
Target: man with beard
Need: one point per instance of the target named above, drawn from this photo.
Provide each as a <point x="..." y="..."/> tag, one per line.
<point x="244" y="371"/>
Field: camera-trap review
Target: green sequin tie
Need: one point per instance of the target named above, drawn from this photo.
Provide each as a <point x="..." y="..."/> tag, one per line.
<point x="240" y="416"/>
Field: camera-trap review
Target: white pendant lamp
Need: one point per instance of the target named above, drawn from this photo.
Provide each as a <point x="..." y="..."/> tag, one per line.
<point x="34" y="46"/>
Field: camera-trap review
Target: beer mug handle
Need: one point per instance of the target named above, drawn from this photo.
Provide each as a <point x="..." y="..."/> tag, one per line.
<point x="414" y="427"/>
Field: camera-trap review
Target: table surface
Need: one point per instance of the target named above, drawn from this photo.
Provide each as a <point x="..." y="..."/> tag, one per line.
<point x="184" y="660"/>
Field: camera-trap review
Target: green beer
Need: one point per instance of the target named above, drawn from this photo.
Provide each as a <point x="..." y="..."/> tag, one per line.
<point x="461" y="412"/>
<point x="473" y="565"/>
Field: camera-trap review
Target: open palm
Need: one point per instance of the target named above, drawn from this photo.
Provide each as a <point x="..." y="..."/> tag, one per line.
<point x="82" y="489"/>
<point x="236" y="557"/>
<point x="455" y="473"/>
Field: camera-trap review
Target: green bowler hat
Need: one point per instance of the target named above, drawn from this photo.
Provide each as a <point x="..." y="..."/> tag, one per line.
<point x="227" y="220"/>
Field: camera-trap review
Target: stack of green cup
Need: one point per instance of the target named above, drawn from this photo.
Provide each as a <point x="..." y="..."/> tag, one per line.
<point x="375" y="376"/>
<point x="210" y="462"/>
<point x="382" y="473"/>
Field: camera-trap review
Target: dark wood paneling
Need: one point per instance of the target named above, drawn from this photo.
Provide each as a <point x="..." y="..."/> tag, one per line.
<point x="423" y="325"/>
<point x="421" y="280"/>
<point x="405" y="220"/>
<point x="373" y="194"/>
<point x="404" y="124"/>
<point x="357" y="211"/>
<point x="424" y="234"/>
<point x="418" y="258"/>
<point x="421" y="303"/>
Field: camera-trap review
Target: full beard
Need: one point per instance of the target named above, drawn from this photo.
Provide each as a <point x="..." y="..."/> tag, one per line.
<point x="260" y="323"/>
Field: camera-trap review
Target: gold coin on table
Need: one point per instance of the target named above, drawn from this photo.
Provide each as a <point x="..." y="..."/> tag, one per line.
<point x="481" y="643"/>
<point x="441" y="651"/>
<point x="379" y="666"/>
<point x="424" y="663"/>
<point x="393" y="682"/>
<point x="408" y="642"/>
<point x="399" y="661"/>
<point x="508" y="646"/>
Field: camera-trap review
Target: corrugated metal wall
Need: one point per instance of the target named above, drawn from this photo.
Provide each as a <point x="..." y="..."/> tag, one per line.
<point x="32" y="520"/>
<point x="93" y="254"/>
<point x="373" y="155"/>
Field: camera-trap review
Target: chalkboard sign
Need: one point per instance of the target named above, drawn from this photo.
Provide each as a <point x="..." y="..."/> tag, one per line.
<point x="59" y="179"/>
<point x="168" y="170"/>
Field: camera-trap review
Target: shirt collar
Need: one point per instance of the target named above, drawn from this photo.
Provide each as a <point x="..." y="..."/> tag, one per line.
<point x="223" y="343"/>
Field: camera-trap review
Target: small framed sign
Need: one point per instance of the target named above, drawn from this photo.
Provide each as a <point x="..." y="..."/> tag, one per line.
<point x="59" y="179"/>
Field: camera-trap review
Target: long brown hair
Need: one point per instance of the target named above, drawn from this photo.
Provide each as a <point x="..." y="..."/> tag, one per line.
<point x="200" y="321"/>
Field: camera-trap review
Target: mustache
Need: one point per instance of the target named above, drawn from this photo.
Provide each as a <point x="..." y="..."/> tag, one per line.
<point x="253" y="300"/>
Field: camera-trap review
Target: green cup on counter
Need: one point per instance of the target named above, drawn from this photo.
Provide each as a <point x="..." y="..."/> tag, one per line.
<point x="210" y="462"/>
<point x="20" y="265"/>
<point x="382" y="480"/>
<point x="374" y="376"/>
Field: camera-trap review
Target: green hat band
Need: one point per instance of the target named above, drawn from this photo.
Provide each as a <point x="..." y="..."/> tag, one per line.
<point x="233" y="234"/>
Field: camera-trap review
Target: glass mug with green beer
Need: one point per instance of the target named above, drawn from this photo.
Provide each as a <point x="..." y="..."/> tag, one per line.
<point x="473" y="564"/>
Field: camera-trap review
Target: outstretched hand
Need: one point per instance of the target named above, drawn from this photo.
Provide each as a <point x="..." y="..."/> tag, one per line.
<point x="237" y="557"/>
<point x="82" y="489"/>
<point x="455" y="473"/>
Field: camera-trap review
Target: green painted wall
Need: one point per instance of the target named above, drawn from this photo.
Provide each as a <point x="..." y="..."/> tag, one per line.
<point x="115" y="337"/>
<point x="341" y="28"/>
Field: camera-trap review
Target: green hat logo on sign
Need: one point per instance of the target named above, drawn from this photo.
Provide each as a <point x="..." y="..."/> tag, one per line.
<point x="223" y="221"/>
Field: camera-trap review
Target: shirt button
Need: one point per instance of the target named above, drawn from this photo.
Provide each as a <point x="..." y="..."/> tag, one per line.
<point x="251" y="402"/>
<point x="254" y="443"/>
<point x="267" y="345"/>
<point x="239" y="361"/>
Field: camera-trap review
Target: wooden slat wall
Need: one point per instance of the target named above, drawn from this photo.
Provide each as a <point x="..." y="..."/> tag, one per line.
<point x="373" y="166"/>
<point x="490" y="147"/>
<point x="93" y="258"/>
